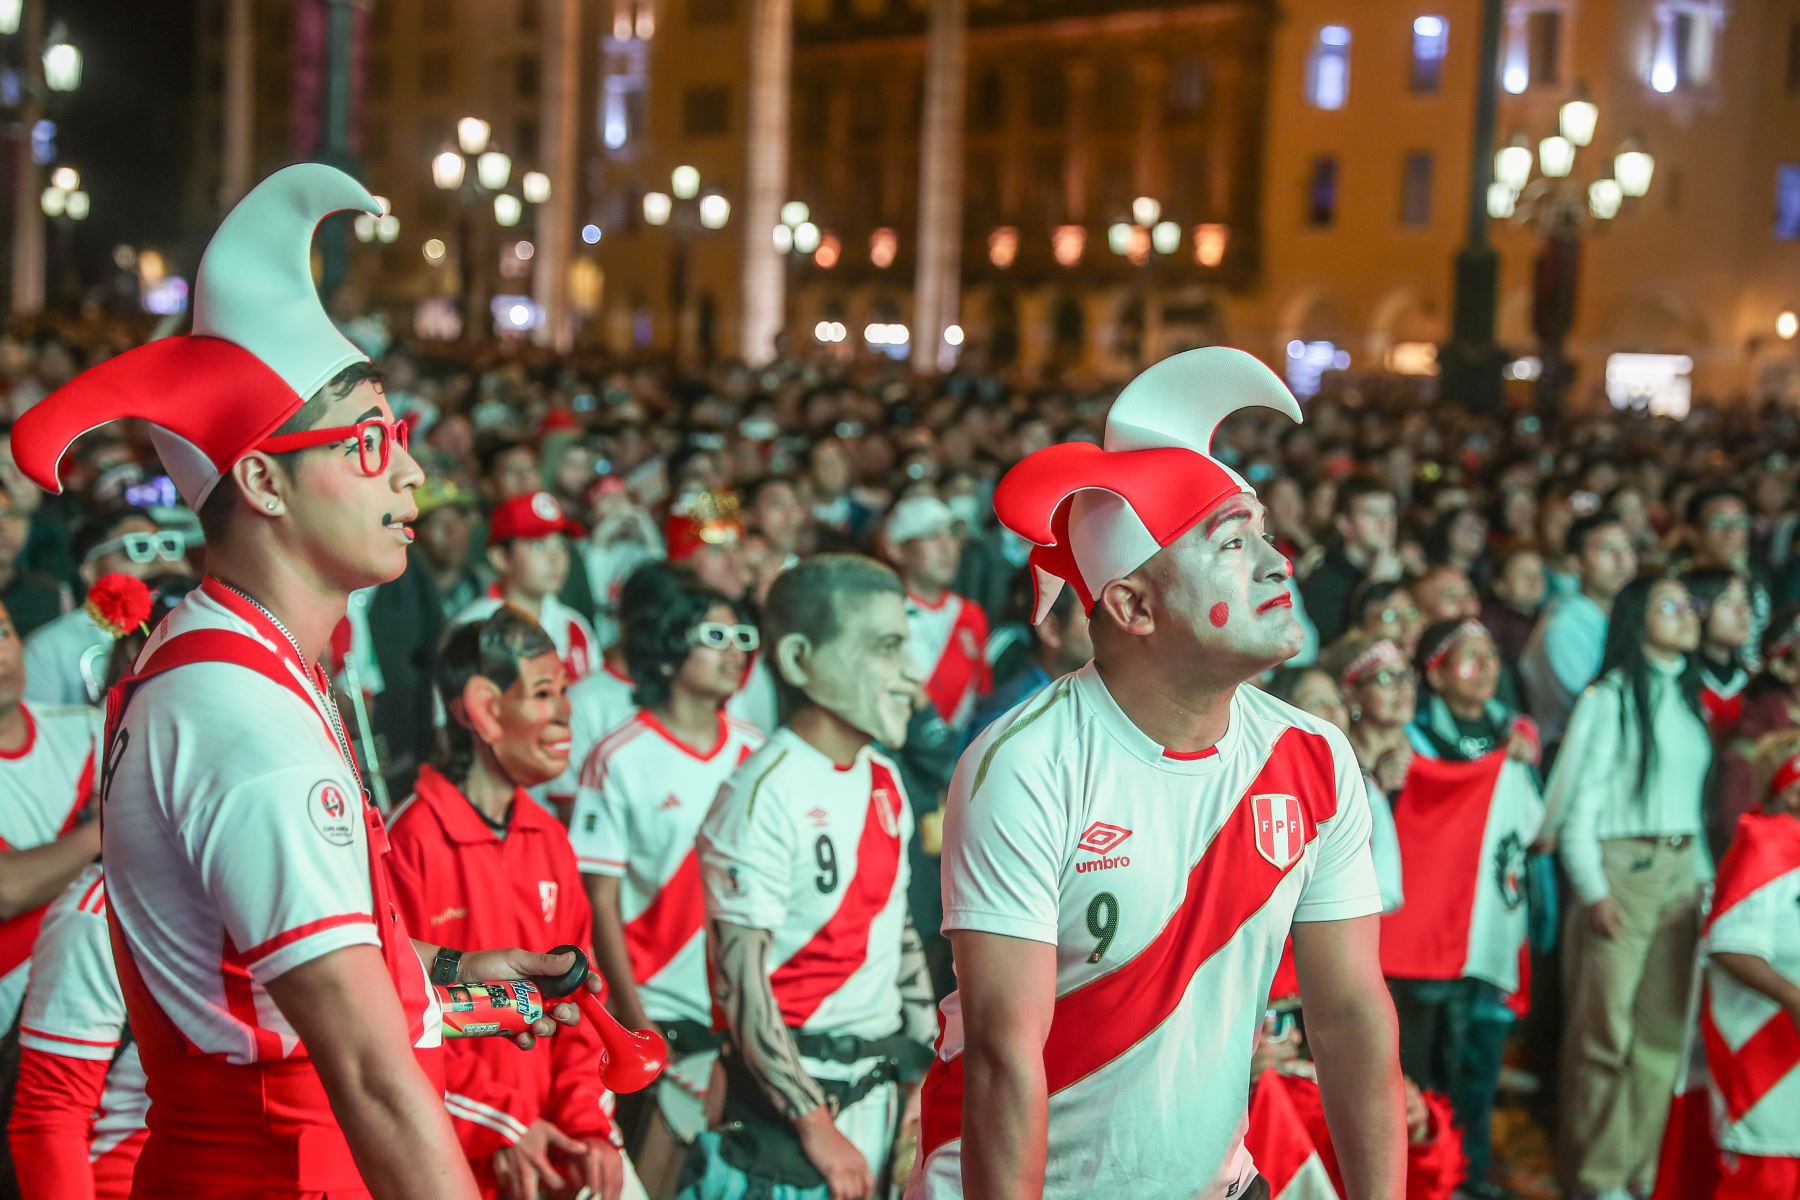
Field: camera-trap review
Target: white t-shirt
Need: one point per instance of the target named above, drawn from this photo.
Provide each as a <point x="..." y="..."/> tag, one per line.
<point x="569" y="631"/>
<point x="1764" y="924"/>
<point x="44" y="785"/>
<point x="1168" y="886"/>
<point x="637" y="813"/>
<point x="66" y="659"/>
<point x="817" y="856"/>
<point x="598" y="705"/>
<point x="234" y="841"/>
<point x="74" y="1007"/>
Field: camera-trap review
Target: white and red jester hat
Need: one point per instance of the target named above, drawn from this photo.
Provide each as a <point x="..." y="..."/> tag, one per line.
<point x="261" y="346"/>
<point x="1098" y="513"/>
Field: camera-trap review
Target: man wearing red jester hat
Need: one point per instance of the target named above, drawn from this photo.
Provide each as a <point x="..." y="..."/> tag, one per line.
<point x="282" y="1014"/>
<point x="1126" y="851"/>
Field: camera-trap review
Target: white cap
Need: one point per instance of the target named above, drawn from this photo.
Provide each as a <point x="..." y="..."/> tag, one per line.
<point x="918" y="517"/>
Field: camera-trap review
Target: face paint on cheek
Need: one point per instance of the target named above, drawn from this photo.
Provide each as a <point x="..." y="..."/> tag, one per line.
<point x="1221" y="613"/>
<point x="1467" y="669"/>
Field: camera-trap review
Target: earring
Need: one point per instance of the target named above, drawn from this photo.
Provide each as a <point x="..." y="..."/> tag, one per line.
<point x="270" y="506"/>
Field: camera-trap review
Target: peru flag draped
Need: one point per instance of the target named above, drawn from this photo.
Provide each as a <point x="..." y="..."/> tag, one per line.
<point x="1282" y="1146"/>
<point x="1463" y="829"/>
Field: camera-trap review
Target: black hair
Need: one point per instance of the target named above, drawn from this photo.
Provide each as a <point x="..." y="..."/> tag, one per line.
<point x="215" y="511"/>
<point x="753" y="490"/>
<point x="1705" y="585"/>
<point x="1284" y="684"/>
<point x="812" y="597"/>
<point x="1436" y="540"/>
<point x="492" y="649"/>
<point x="166" y="591"/>
<point x="1581" y="529"/>
<point x="1372" y="591"/>
<point x="1625" y="658"/>
<point x="1433" y="642"/>
<point x="1710" y="494"/>
<point x="1357" y="487"/>
<point x="656" y="642"/>
<point x="489" y="456"/>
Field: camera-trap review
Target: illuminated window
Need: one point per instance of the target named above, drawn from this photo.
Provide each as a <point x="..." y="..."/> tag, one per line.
<point x="1787" y="202"/>
<point x="1430" y="42"/>
<point x="1415" y="189"/>
<point x="1533" y="52"/>
<point x="1321" y="196"/>
<point x="1687" y="33"/>
<point x="1328" y="68"/>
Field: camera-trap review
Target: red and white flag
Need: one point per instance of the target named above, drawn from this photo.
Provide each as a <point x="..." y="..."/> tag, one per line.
<point x="1281" y="1145"/>
<point x="1463" y="829"/>
<point x="1753" y="1044"/>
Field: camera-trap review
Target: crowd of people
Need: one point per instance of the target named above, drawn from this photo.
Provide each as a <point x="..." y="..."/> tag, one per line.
<point x="1564" y="649"/>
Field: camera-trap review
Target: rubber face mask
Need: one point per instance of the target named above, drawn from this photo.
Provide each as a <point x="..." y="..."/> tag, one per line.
<point x="863" y="676"/>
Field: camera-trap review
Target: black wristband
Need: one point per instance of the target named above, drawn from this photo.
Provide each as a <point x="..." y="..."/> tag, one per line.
<point x="446" y="966"/>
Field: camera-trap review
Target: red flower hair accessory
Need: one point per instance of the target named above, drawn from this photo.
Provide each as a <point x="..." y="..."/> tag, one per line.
<point x="119" y="603"/>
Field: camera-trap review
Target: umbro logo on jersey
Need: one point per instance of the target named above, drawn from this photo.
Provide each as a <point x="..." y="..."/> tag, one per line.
<point x="1280" y="828"/>
<point x="673" y="801"/>
<point x="1099" y="838"/>
<point x="819" y="817"/>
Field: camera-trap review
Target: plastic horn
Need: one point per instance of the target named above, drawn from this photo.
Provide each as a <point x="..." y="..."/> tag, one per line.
<point x="632" y="1058"/>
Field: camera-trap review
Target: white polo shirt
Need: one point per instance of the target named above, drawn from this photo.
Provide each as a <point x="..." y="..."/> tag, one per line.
<point x="637" y="814"/>
<point x="1167" y="885"/>
<point x="44" y="785"/>
<point x="817" y="856"/>
<point x="74" y="1007"/>
<point x="234" y="841"/>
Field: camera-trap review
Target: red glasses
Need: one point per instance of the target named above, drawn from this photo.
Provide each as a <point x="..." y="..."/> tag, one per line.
<point x="374" y="439"/>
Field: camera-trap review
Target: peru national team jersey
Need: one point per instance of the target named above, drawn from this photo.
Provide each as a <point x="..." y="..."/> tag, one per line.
<point x="816" y="855"/>
<point x="637" y="814"/>
<point x="1167" y="885"/>
<point x="74" y="1008"/>
<point x="598" y="705"/>
<point x="235" y="841"/>
<point x="948" y="642"/>
<point x="569" y="631"/>
<point x="44" y="785"/>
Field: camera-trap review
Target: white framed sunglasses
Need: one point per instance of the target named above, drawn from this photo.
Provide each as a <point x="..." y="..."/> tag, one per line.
<point x="166" y="544"/>
<point x="717" y="635"/>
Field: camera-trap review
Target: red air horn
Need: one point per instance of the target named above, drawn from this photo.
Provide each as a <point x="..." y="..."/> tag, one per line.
<point x="630" y="1059"/>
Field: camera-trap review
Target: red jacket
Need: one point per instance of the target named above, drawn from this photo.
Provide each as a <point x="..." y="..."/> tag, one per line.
<point x="459" y="885"/>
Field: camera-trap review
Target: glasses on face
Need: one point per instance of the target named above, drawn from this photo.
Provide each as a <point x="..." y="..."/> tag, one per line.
<point x="374" y="437"/>
<point x="168" y="545"/>
<point x="1728" y="524"/>
<point x="1389" y="677"/>
<point x="1391" y="615"/>
<point x="1675" y="606"/>
<point x="716" y="635"/>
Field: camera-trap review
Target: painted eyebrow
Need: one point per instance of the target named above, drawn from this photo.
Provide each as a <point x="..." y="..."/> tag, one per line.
<point x="373" y="412"/>
<point x="1235" y="513"/>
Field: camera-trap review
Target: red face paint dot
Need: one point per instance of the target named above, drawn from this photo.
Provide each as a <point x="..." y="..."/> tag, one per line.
<point x="1221" y="613"/>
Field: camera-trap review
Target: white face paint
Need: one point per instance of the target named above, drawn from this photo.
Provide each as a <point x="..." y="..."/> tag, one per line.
<point x="863" y="675"/>
<point x="1228" y="588"/>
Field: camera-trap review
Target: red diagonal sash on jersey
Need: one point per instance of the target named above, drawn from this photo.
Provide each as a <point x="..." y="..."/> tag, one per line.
<point x="657" y="934"/>
<point x="19" y="934"/>
<point x="1765" y="847"/>
<point x="841" y="945"/>
<point x="1101" y="1020"/>
<point x="1439" y="818"/>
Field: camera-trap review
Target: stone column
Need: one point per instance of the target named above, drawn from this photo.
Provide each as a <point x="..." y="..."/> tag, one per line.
<point x="559" y="131"/>
<point x="239" y="103"/>
<point x="767" y="128"/>
<point x="938" y="280"/>
<point x="28" y="219"/>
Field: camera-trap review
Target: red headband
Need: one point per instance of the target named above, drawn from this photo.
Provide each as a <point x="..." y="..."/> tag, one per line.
<point x="1786" y="775"/>
<point x="1466" y="629"/>
<point x="1379" y="653"/>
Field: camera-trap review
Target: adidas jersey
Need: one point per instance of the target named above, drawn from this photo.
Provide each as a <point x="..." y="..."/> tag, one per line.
<point x="948" y="642"/>
<point x="74" y="1007"/>
<point x="1168" y="884"/>
<point x="637" y="814"/>
<point x="817" y="856"/>
<point x="598" y="705"/>
<point x="44" y="786"/>
<point x="569" y="631"/>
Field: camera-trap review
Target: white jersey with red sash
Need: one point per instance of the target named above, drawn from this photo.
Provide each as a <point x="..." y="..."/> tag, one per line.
<point x="1752" y="1044"/>
<point x="44" y="786"/>
<point x="569" y="631"/>
<point x="1167" y="884"/>
<point x="238" y="846"/>
<point x="637" y="814"/>
<point x="948" y="641"/>
<point x="598" y="705"/>
<point x="1463" y="828"/>
<point x="817" y="856"/>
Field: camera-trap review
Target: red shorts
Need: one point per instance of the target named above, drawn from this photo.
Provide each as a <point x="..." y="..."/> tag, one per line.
<point x="1751" y="1177"/>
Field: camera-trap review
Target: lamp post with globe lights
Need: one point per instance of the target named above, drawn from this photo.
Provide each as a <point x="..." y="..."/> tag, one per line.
<point x="65" y="206"/>
<point x="1547" y="194"/>
<point x="1147" y="236"/>
<point x="478" y="171"/>
<point x="36" y="67"/>
<point x="688" y="208"/>
<point x="796" y="239"/>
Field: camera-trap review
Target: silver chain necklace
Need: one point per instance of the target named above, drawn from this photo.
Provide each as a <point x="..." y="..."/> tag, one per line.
<point x="326" y="700"/>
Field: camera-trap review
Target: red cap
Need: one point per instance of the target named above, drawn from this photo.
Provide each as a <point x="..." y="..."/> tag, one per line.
<point x="533" y="515"/>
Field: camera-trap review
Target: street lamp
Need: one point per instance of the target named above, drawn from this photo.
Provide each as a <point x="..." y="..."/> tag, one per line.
<point x="62" y="66"/>
<point x="475" y="169"/>
<point x="1558" y="206"/>
<point x="687" y="208"/>
<point x="65" y="205"/>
